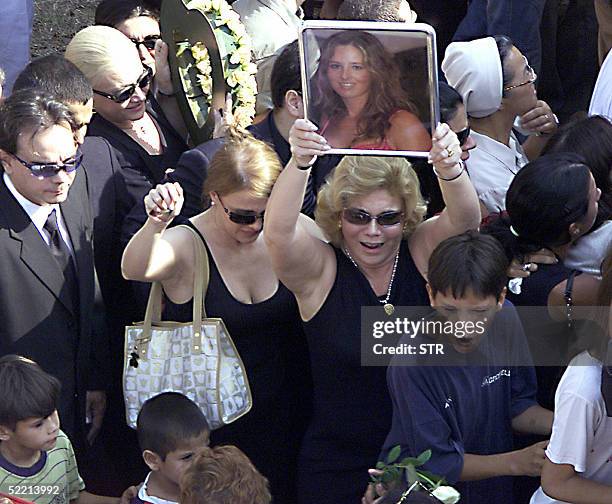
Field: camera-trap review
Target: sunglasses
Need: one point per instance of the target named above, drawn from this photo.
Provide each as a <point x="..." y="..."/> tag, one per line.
<point x="242" y="217"/>
<point x="122" y="96"/>
<point x="463" y="135"/>
<point x="148" y="42"/>
<point x="46" y="170"/>
<point x="362" y="218"/>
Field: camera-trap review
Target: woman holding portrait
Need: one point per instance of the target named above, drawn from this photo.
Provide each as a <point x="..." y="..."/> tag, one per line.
<point x="360" y="99"/>
<point x="372" y="212"/>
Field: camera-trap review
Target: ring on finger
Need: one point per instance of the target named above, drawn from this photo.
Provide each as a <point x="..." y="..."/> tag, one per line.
<point x="526" y="267"/>
<point x="449" y="152"/>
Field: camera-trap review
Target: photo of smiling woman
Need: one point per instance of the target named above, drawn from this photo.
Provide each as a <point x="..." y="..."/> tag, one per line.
<point x="358" y="97"/>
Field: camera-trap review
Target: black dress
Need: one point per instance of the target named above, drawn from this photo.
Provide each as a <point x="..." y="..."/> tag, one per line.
<point x="351" y="404"/>
<point x="270" y="340"/>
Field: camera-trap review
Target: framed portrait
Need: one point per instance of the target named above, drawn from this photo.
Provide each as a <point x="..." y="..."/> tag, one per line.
<point x="371" y="87"/>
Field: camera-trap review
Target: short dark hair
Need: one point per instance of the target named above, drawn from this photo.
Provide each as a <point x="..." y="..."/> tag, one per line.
<point x="286" y="74"/>
<point x="450" y="99"/>
<point x="468" y="262"/>
<point x="113" y="12"/>
<point x="504" y="47"/>
<point x="167" y="420"/>
<point x="370" y="10"/>
<point x="26" y="391"/>
<point x="544" y="198"/>
<point x="30" y="110"/>
<point x="57" y="76"/>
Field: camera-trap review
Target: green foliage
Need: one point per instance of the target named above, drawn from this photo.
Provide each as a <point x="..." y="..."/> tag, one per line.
<point x="392" y="472"/>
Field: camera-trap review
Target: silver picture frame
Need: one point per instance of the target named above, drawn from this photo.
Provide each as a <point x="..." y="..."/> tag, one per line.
<point x="410" y="46"/>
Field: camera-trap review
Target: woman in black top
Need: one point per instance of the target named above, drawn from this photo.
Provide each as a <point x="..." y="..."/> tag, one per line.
<point x="371" y="211"/>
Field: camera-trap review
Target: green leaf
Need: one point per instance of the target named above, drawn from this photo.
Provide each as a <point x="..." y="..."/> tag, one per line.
<point x="409" y="461"/>
<point x="380" y="464"/>
<point x="412" y="475"/>
<point x="438" y="480"/>
<point x="388" y="477"/>
<point x="424" y="457"/>
<point x="394" y="454"/>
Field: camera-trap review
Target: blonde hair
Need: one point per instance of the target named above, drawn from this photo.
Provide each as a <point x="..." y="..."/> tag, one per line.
<point x="243" y="163"/>
<point x="101" y="50"/>
<point x="357" y="176"/>
<point x="223" y="475"/>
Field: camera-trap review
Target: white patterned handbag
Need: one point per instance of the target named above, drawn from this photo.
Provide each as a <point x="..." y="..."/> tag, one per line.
<point x="197" y="359"/>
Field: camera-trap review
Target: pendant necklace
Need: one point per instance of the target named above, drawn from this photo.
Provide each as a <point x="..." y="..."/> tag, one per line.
<point x="388" y="307"/>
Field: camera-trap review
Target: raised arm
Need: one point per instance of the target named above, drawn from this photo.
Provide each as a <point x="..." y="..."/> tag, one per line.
<point x="152" y="255"/>
<point x="302" y="261"/>
<point x="462" y="210"/>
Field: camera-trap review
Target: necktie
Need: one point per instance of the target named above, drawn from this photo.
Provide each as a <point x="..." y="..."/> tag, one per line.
<point x="62" y="255"/>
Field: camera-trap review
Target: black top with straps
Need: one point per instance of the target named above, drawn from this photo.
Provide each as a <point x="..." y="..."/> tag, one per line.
<point x="269" y="338"/>
<point x="352" y="407"/>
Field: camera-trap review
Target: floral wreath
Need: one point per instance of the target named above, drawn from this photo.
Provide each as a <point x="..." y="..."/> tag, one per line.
<point x="235" y="51"/>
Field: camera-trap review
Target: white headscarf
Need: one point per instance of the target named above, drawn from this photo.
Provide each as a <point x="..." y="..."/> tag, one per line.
<point x="474" y="69"/>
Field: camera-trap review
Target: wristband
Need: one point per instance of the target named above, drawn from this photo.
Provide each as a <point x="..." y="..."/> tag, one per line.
<point x="308" y="166"/>
<point x="462" y="164"/>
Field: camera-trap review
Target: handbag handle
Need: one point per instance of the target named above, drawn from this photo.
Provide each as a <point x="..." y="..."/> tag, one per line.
<point x="200" y="286"/>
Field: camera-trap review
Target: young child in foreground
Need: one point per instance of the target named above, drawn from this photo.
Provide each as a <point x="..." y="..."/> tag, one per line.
<point x="37" y="462"/>
<point x="578" y="466"/>
<point x="223" y="475"/>
<point x="171" y="430"/>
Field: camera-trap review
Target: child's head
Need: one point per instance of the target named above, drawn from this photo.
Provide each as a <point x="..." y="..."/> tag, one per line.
<point x="171" y="428"/>
<point x="28" y="409"/>
<point x="223" y="475"/>
<point x="466" y="281"/>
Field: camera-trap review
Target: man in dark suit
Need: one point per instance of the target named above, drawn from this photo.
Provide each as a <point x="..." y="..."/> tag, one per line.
<point x="47" y="285"/>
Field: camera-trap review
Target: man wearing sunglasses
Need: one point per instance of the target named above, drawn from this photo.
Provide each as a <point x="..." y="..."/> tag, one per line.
<point x="47" y="284"/>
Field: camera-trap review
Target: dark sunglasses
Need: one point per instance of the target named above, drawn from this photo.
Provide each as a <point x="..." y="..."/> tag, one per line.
<point x="148" y="42"/>
<point x="46" y="170"/>
<point x="362" y="218"/>
<point x="244" y="217"/>
<point x="122" y="96"/>
<point x="463" y="135"/>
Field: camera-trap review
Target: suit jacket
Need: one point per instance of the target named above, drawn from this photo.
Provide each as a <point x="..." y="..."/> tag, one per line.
<point x="39" y="319"/>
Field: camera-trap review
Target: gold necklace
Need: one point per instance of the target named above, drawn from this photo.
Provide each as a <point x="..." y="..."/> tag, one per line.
<point x="388" y="307"/>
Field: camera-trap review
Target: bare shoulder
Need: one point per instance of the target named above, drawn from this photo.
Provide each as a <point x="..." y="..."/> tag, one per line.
<point x="404" y="118"/>
<point x="407" y="132"/>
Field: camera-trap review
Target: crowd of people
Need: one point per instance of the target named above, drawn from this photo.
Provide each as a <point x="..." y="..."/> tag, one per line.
<point x="505" y="227"/>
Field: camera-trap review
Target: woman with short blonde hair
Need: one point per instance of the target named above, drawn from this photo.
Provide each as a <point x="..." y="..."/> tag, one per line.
<point x="379" y="247"/>
<point x="357" y="176"/>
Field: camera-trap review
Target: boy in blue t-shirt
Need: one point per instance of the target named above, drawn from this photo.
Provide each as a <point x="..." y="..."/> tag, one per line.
<point x="465" y="406"/>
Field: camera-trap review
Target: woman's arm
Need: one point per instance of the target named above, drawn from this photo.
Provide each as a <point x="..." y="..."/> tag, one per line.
<point x="462" y="210"/>
<point x="302" y="261"/>
<point x="407" y="132"/>
<point x="153" y="254"/>
<point x="562" y="482"/>
<point x="542" y="121"/>
<point x="165" y="93"/>
<point x="584" y="293"/>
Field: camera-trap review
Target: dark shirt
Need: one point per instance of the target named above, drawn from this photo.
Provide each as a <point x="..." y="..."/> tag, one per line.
<point x="456" y="410"/>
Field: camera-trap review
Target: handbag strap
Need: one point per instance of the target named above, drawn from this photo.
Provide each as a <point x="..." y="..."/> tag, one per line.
<point x="200" y="286"/>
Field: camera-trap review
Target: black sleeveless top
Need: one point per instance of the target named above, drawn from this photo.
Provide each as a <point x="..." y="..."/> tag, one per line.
<point x="352" y="408"/>
<point x="266" y="335"/>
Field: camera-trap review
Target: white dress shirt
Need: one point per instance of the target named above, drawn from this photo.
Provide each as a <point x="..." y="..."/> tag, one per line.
<point x="492" y="166"/>
<point x="39" y="214"/>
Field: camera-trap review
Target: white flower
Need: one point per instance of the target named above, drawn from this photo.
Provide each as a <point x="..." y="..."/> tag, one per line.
<point x="446" y="494"/>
